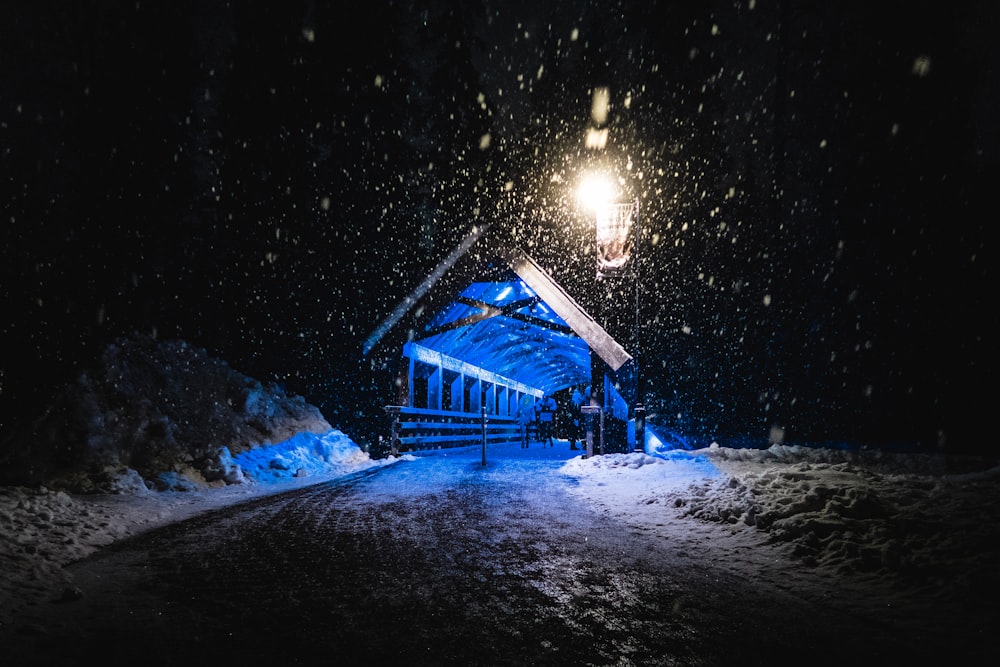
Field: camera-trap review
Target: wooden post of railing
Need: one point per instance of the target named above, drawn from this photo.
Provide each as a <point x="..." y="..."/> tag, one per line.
<point x="393" y="412"/>
<point x="484" y="434"/>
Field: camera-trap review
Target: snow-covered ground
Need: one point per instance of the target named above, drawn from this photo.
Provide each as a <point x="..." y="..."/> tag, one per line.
<point x="903" y="523"/>
<point x="42" y="530"/>
<point x="890" y="519"/>
<point x="161" y="432"/>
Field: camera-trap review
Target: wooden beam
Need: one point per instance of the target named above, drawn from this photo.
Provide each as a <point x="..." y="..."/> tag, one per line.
<point x="406" y="304"/>
<point x="613" y="354"/>
<point x="417" y="352"/>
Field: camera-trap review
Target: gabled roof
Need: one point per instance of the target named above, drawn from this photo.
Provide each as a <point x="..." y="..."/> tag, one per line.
<point x="498" y="310"/>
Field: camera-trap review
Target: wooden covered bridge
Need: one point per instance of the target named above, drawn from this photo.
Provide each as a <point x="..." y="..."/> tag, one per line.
<point x="485" y="335"/>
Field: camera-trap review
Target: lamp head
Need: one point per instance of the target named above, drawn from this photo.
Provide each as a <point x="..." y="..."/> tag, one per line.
<point x="595" y="191"/>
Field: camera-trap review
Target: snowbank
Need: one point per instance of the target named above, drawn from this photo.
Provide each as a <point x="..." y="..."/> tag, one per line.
<point x="158" y="415"/>
<point x="303" y="455"/>
<point x="910" y="518"/>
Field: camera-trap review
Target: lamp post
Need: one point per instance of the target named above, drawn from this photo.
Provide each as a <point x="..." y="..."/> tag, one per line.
<point x="616" y="224"/>
<point x="640" y="410"/>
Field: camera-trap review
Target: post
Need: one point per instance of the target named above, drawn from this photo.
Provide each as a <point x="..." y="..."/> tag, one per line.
<point x="590" y="411"/>
<point x="640" y="428"/>
<point x="393" y="412"/>
<point x="483" y="410"/>
<point x="601" y="431"/>
<point x="640" y="410"/>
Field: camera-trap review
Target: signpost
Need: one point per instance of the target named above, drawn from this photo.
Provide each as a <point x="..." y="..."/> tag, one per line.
<point x="590" y="411"/>
<point x="483" y="408"/>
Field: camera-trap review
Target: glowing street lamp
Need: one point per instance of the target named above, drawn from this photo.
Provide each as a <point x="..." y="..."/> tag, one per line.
<point x="595" y="192"/>
<point x="613" y="223"/>
<point x="616" y="228"/>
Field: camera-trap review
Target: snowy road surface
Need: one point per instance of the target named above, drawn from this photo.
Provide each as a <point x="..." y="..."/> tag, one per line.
<point x="439" y="561"/>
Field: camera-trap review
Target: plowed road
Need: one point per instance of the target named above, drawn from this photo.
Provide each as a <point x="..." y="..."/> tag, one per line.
<point x="436" y="561"/>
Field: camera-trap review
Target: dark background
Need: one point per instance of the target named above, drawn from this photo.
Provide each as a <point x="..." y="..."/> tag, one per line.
<point x="268" y="180"/>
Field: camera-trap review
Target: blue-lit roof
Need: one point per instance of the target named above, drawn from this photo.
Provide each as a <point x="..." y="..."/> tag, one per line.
<point x="506" y="328"/>
<point x="498" y="311"/>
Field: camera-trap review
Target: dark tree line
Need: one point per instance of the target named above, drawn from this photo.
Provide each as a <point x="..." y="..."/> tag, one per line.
<point x="268" y="180"/>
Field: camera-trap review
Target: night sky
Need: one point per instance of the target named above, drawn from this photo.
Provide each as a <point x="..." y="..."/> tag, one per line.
<point x="268" y="180"/>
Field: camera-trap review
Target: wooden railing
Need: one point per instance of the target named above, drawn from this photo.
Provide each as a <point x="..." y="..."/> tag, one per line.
<point x="420" y="428"/>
